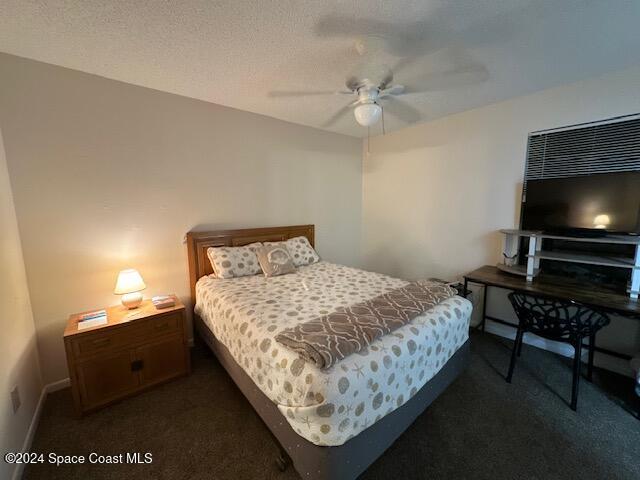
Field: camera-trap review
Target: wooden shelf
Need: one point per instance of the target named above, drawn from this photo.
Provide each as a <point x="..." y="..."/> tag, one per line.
<point x="618" y="239"/>
<point x="607" y="261"/>
<point x="535" y="254"/>
<point x="520" y="233"/>
<point x="516" y="269"/>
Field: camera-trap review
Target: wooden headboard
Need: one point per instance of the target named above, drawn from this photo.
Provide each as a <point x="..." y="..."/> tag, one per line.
<point x="198" y="242"/>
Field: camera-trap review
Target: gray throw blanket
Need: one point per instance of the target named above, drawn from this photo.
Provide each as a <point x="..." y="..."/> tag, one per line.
<point x="330" y="338"/>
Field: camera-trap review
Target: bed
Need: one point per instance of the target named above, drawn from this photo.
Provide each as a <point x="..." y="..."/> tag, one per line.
<point x="328" y="423"/>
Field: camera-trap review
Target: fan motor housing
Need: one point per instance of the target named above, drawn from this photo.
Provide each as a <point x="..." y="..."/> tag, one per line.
<point x="368" y="94"/>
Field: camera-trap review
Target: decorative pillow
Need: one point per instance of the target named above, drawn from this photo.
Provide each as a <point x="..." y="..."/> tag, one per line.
<point x="301" y="251"/>
<point x="230" y="262"/>
<point x="275" y="260"/>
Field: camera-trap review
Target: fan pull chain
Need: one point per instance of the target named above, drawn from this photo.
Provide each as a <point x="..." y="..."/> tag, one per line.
<point x="368" y="140"/>
<point x="383" y="130"/>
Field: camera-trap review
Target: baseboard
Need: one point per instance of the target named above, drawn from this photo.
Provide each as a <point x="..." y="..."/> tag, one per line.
<point x="35" y="420"/>
<point x="59" y="385"/>
<point x="33" y="426"/>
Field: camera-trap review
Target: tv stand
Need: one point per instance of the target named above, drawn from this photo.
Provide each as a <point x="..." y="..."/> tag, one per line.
<point x="535" y="254"/>
<point x="586" y="233"/>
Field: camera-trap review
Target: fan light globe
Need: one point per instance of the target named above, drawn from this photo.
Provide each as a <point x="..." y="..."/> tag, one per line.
<point x="367" y="114"/>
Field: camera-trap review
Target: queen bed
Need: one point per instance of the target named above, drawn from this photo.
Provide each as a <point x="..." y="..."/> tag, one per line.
<point x="332" y="422"/>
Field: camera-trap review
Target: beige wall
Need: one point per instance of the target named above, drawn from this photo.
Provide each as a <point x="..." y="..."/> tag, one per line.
<point x="108" y="175"/>
<point x="18" y="338"/>
<point x="435" y="194"/>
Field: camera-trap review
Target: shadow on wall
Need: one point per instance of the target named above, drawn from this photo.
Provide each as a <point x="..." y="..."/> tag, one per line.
<point x="415" y="137"/>
<point x="388" y="254"/>
<point x="25" y="373"/>
<point x="518" y="200"/>
<point x="26" y="370"/>
<point x="386" y="259"/>
<point x="492" y="244"/>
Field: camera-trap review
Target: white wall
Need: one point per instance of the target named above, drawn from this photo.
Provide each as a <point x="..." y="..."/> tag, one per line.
<point x="107" y="175"/>
<point x="18" y="338"/>
<point x="435" y="194"/>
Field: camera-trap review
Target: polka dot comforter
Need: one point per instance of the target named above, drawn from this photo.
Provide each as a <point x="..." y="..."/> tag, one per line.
<point x="328" y="407"/>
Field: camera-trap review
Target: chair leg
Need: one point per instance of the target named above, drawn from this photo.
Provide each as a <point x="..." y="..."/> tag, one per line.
<point x="592" y="351"/>
<point x="520" y="344"/>
<point x="576" y="373"/>
<point x="514" y="353"/>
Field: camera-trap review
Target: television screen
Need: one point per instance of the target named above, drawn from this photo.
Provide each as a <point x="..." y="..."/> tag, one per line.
<point x="609" y="202"/>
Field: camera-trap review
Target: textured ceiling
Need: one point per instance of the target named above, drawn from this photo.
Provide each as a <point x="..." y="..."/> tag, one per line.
<point x="460" y="54"/>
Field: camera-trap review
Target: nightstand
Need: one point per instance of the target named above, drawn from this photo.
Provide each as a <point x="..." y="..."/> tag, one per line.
<point x="133" y="351"/>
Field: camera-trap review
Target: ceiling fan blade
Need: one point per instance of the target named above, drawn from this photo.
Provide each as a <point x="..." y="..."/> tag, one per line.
<point x="353" y="83"/>
<point x="456" y="77"/>
<point x="370" y="74"/>
<point x="427" y="35"/>
<point x="465" y="76"/>
<point x="392" y="90"/>
<point x="404" y="63"/>
<point x="302" y="93"/>
<point x="387" y="79"/>
<point x="445" y="69"/>
<point x="338" y="26"/>
<point x="402" y="110"/>
<point x="338" y="115"/>
<point x="377" y="36"/>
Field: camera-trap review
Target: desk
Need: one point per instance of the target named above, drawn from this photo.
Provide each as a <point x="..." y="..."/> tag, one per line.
<point x="557" y="287"/>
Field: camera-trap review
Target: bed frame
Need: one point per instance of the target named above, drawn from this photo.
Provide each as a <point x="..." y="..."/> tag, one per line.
<point x="311" y="461"/>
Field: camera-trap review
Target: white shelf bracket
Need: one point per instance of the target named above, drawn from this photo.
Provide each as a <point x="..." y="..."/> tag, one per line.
<point x="532" y="261"/>
<point x="635" y="275"/>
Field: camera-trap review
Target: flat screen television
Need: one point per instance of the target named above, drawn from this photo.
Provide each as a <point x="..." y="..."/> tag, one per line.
<point x="587" y="204"/>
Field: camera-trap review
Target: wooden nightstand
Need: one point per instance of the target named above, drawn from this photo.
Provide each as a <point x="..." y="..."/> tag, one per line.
<point x="134" y="350"/>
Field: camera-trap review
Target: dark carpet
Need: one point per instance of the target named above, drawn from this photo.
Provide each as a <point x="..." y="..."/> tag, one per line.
<point x="480" y="428"/>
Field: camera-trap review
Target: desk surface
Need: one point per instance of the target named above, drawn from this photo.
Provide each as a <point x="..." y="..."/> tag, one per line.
<point x="559" y="287"/>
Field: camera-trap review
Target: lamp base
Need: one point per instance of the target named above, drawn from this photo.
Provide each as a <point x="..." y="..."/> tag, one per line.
<point x="132" y="300"/>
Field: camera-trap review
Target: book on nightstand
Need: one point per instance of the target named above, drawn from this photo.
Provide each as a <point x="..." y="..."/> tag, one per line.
<point x="92" y="319"/>
<point x="163" y="301"/>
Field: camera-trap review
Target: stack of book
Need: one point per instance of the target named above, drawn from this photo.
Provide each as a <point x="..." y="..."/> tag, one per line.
<point x="92" y="319"/>
<point x="163" y="301"/>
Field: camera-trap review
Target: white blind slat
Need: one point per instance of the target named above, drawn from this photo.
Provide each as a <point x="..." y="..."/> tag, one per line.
<point x="584" y="150"/>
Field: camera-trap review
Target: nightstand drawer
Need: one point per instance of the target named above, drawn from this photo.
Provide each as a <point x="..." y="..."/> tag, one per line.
<point x="136" y="331"/>
<point x="107" y="341"/>
<point x="162" y="325"/>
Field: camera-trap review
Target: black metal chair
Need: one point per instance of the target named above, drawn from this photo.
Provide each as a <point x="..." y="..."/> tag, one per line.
<point x="559" y="320"/>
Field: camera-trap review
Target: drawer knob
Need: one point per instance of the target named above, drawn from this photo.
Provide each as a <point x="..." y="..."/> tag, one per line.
<point x="137" y="365"/>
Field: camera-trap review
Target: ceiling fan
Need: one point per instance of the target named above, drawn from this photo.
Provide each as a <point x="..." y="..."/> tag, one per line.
<point x="371" y="91"/>
<point x="373" y="84"/>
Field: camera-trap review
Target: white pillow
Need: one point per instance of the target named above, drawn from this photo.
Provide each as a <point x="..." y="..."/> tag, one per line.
<point x="231" y="262"/>
<point x="301" y="251"/>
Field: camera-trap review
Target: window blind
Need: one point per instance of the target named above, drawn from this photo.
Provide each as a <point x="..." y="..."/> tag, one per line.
<point x="602" y="147"/>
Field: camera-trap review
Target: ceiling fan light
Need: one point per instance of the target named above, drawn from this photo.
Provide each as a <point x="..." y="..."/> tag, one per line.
<point x="367" y="114"/>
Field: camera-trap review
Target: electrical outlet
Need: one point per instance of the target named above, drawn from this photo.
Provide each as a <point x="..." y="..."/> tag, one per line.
<point x="15" y="398"/>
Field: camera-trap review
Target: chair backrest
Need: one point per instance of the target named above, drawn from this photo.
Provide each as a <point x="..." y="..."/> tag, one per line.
<point x="556" y="319"/>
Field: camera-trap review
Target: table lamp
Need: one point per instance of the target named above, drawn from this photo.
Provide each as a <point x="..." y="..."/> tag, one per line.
<point x="129" y="285"/>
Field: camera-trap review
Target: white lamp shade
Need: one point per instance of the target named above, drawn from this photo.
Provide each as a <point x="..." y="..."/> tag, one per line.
<point x="129" y="281"/>
<point x="367" y="114"/>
